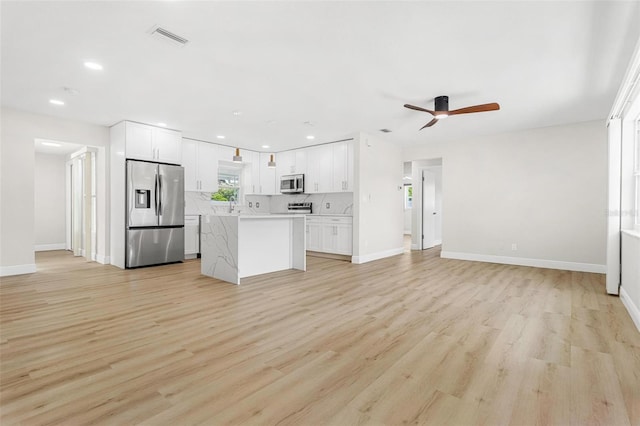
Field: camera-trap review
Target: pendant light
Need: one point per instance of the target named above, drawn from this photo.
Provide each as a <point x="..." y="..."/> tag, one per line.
<point x="271" y="164"/>
<point x="237" y="158"/>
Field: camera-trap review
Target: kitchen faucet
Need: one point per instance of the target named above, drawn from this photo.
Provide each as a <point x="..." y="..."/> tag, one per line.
<point x="232" y="200"/>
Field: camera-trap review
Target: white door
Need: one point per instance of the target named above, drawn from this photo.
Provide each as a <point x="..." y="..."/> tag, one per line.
<point x="428" y="209"/>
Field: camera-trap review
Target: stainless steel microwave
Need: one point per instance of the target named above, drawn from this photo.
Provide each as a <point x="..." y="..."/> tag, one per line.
<point x="292" y="184"/>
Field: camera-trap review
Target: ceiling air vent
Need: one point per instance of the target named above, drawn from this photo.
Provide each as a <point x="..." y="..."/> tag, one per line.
<point x="385" y="130"/>
<point x="166" y="35"/>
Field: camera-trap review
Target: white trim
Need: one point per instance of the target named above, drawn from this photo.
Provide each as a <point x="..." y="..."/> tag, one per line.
<point x="522" y="261"/>
<point x="415" y="246"/>
<point x="49" y="247"/>
<point x="375" y="256"/>
<point x="633" y="310"/>
<point x="105" y="260"/>
<point x="614" y="149"/>
<point x="629" y="82"/>
<point x="6" y="271"/>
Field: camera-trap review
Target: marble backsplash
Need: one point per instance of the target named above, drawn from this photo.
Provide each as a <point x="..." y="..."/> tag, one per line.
<point x="330" y="203"/>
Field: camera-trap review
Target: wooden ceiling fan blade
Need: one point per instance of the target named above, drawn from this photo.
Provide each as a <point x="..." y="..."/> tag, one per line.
<point x="476" y="108"/>
<point x="417" y="108"/>
<point x="429" y="124"/>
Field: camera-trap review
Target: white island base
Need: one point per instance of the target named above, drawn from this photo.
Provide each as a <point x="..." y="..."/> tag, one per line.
<point x="235" y="247"/>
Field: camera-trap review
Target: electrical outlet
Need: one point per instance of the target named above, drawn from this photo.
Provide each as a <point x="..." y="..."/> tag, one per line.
<point x="514" y="247"/>
<point x="328" y="205"/>
<point x="250" y="204"/>
<point x="257" y="204"/>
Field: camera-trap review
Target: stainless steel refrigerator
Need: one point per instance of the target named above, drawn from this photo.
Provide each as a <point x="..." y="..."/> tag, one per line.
<point x="155" y="214"/>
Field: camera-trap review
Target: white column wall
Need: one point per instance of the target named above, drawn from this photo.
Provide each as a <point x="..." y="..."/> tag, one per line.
<point x="378" y="217"/>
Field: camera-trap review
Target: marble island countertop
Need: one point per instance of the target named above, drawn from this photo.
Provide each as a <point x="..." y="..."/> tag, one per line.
<point x="235" y="246"/>
<point x="242" y="214"/>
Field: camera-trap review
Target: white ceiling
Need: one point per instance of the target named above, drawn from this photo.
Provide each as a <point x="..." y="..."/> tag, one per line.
<point x="344" y="66"/>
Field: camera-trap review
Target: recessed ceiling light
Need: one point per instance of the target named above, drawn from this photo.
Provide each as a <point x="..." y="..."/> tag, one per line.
<point x="220" y="136"/>
<point x="237" y="112"/>
<point x="50" y="144"/>
<point x="311" y="137"/>
<point x="56" y="102"/>
<point x="162" y="124"/>
<point x="308" y="123"/>
<point x="93" y="66"/>
<point x="266" y="146"/>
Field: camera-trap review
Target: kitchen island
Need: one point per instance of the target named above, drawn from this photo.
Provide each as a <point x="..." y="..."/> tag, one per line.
<point x="238" y="246"/>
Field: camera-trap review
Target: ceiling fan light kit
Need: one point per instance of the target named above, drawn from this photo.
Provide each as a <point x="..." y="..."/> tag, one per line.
<point x="441" y="109"/>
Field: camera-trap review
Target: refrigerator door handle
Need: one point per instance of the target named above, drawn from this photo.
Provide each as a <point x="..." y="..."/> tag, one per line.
<point x="160" y="194"/>
<point x="155" y="192"/>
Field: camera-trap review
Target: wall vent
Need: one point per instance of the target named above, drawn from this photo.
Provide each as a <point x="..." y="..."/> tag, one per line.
<point x="166" y="35"/>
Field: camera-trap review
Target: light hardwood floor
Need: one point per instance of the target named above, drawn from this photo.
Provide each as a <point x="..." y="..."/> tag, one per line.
<point x="409" y="339"/>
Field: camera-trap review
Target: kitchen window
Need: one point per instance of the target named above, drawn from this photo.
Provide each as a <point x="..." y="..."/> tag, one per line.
<point x="228" y="184"/>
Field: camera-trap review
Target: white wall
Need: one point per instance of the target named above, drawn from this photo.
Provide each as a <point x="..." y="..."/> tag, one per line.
<point x="17" y="182"/>
<point x="378" y="210"/>
<point x="542" y="189"/>
<point x="49" y="201"/>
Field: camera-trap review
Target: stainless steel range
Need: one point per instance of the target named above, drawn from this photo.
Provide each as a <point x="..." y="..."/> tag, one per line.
<point x="299" y="208"/>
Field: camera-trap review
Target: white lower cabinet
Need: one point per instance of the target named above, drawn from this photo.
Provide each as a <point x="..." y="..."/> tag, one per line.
<point x="330" y="234"/>
<point x="314" y="233"/>
<point x="191" y="236"/>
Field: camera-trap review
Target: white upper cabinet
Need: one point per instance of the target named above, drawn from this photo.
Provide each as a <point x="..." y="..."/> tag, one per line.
<point x="168" y="145"/>
<point x="267" y="176"/>
<point x="285" y="164"/>
<point x="342" y="166"/>
<point x="208" y="166"/>
<point x="300" y="163"/>
<point x="190" y="163"/>
<point x="261" y="178"/>
<point x="151" y="143"/>
<point x="319" y="169"/>
<point x="251" y="172"/>
<point x="200" y="160"/>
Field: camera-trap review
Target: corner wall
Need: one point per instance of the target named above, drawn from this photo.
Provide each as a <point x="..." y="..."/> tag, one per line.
<point x="17" y="182"/>
<point x="378" y="216"/>
<point x="544" y="190"/>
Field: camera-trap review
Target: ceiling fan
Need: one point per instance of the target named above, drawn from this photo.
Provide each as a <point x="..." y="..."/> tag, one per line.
<point x="441" y="109"/>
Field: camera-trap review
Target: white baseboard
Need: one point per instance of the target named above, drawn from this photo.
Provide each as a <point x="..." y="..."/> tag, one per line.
<point x="523" y="261"/>
<point x="101" y="258"/>
<point x="49" y="247"/>
<point x="375" y="256"/>
<point x="6" y="271"/>
<point x="634" y="311"/>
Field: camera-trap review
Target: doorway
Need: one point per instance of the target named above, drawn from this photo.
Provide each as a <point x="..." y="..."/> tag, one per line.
<point x="426" y="214"/>
<point x="431" y="207"/>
